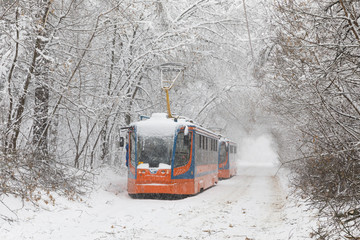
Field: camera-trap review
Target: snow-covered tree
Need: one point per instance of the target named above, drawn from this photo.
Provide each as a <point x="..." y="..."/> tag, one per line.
<point x="74" y="72"/>
<point x="313" y="78"/>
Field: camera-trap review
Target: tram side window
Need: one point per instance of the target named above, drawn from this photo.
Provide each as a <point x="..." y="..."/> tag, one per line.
<point x="182" y="151"/>
<point x="198" y="152"/>
<point x="132" y="148"/>
<point x="222" y="152"/>
<point x="206" y="150"/>
<point x="232" y="149"/>
<point x="214" y="145"/>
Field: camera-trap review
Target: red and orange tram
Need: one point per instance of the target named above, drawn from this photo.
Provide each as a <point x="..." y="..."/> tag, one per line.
<point x="171" y="156"/>
<point x="227" y="158"/>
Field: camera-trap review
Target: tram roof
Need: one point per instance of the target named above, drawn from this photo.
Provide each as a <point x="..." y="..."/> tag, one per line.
<point x="160" y="125"/>
<point x="225" y="139"/>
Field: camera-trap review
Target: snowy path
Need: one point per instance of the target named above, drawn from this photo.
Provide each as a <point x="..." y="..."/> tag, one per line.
<point x="251" y="205"/>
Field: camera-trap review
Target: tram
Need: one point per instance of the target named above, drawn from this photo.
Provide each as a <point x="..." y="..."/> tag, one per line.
<point x="227" y="158"/>
<point x="171" y="156"/>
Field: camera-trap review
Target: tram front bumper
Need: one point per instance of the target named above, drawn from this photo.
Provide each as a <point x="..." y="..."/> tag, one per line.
<point x="181" y="187"/>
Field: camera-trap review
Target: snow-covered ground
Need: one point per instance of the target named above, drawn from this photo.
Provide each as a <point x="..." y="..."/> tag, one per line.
<point x="252" y="205"/>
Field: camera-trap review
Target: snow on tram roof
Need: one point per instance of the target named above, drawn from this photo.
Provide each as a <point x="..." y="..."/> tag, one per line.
<point x="160" y="125"/>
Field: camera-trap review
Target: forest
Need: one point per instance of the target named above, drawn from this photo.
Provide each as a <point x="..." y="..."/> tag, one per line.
<point x="74" y="72"/>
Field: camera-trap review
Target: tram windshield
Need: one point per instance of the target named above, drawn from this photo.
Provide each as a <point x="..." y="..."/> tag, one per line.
<point x="155" y="150"/>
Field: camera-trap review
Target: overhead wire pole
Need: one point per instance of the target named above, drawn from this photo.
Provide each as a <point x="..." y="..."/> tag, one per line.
<point x="168" y="102"/>
<point x="168" y="82"/>
<point x="248" y="30"/>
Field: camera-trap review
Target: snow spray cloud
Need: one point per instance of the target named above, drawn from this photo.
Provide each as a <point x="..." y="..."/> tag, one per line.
<point x="259" y="151"/>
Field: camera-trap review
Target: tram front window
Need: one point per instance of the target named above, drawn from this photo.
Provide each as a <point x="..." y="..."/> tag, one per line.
<point x="182" y="152"/>
<point x="155" y="150"/>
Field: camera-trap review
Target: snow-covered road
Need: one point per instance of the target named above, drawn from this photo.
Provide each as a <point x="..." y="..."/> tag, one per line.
<point x="252" y="205"/>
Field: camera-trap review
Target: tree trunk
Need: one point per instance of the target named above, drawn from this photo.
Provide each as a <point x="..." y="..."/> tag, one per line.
<point x="7" y="144"/>
<point x="104" y="131"/>
<point x="38" y="67"/>
<point x="41" y="115"/>
<point x="40" y="139"/>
